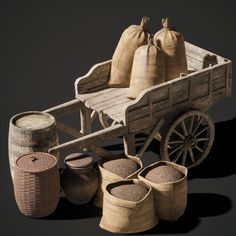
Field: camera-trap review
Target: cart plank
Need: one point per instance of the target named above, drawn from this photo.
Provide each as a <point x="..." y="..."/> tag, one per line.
<point x="65" y="108"/>
<point x="93" y="138"/>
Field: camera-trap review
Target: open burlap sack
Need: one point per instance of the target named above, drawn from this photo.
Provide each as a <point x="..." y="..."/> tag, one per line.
<point x="106" y="177"/>
<point x="122" y="60"/>
<point x="172" y="44"/>
<point x="170" y="198"/>
<point x="122" y="216"/>
<point x="148" y="69"/>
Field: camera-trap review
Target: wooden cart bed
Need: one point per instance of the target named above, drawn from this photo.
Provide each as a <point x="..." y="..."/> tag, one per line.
<point x="167" y="112"/>
<point x="208" y="81"/>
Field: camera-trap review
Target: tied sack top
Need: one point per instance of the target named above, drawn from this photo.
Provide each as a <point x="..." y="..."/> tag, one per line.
<point x="133" y="37"/>
<point x="148" y="69"/>
<point x="172" y="43"/>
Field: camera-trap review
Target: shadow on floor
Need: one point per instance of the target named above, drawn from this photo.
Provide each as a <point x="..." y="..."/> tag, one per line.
<point x="211" y="205"/>
<point x="68" y="211"/>
<point x="219" y="163"/>
<point x="199" y="205"/>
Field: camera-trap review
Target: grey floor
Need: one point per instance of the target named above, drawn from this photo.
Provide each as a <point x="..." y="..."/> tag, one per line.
<point x="46" y="45"/>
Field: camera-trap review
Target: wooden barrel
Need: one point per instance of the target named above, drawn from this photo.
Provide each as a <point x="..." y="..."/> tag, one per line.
<point x="31" y="131"/>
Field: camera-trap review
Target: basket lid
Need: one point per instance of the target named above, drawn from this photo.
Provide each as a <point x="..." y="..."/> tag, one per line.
<point x="78" y="160"/>
<point x="34" y="120"/>
<point x="36" y="162"/>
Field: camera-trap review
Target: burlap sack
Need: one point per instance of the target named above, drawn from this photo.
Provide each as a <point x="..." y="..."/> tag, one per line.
<point x="148" y="69"/>
<point x="122" y="216"/>
<point x="170" y="198"/>
<point x="133" y="37"/>
<point x="172" y="44"/>
<point x="106" y="177"/>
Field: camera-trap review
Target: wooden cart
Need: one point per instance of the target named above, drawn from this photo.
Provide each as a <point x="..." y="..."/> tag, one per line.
<point x="173" y="112"/>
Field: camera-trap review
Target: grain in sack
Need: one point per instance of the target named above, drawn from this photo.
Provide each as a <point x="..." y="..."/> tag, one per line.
<point x="124" y="212"/>
<point x="120" y="168"/>
<point x="169" y="188"/>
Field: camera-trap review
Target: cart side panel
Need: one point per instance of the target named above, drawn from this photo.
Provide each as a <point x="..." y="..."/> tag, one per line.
<point x="199" y="58"/>
<point x="96" y="79"/>
<point x="199" y="90"/>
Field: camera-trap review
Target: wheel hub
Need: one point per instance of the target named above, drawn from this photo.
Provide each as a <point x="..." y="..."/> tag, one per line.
<point x="190" y="141"/>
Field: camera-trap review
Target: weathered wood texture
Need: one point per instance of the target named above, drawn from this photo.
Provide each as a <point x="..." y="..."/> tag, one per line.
<point x="129" y="144"/>
<point x="65" y="108"/>
<point x="198" y="58"/>
<point x="30" y="132"/>
<point x="93" y="138"/>
<point x="198" y="90"/>
<point x="85" y="120"/>
<point x="209" y="80"/>
<point x="96" y="79"/>
<point x="77" y="134"/>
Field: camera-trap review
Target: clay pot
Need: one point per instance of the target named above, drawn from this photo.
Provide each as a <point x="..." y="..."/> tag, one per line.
<point x="79" y="179"/>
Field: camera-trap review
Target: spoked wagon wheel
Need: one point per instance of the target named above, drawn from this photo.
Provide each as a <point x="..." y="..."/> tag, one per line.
<point x="189" y="139"/>
<point x="105" y="120"/>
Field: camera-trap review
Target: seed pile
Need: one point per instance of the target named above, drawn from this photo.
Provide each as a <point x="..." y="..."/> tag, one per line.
<point x="122" y="167"/>
<point x="163" y="173"/>
<point x="129" y="192"/>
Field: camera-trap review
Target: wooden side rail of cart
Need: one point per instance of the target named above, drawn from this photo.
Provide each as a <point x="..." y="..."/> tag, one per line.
<point x="90" y="141"/>
<point x="175" y="110"/>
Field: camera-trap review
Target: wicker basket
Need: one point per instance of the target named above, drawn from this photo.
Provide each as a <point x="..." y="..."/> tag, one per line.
<point x="170" y="197"/>
<point x="106" y="177"/>
<point x="36" y="184"/>
<point x="121" y="216"/>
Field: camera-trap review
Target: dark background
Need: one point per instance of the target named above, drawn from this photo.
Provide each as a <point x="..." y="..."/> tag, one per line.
<point x="46" y="45"/>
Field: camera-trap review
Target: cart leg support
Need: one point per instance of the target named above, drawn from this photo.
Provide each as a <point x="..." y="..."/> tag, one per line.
<point x="86" y="120"/>
<point x="129" y="144"/>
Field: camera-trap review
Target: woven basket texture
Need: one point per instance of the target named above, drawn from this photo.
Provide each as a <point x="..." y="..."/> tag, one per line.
<point x="36" y="184"/>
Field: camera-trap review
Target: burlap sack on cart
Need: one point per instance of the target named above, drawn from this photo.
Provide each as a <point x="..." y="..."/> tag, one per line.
<point x="148" y="69"/>
<point x="122" y="60"/>
<point x="172" y="44"/>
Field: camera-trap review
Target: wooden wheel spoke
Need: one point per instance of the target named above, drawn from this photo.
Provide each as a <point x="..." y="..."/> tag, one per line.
<point x="198" y="124"/>
<point x="201" y="131"/>
<point x="178" y="133"/>
<point x="175" y="150"/>
<point x="191" y="154"/>
<point x="188" y="139"/>
<point x="184" y="128"/>
<point x="176" y="142"/>
<point x="199" y="149"/>
<point x="184" y="156"/>
<point x="191" y="125"/>
<point x="178" y="155"/>
<point x="202" y="139"/>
